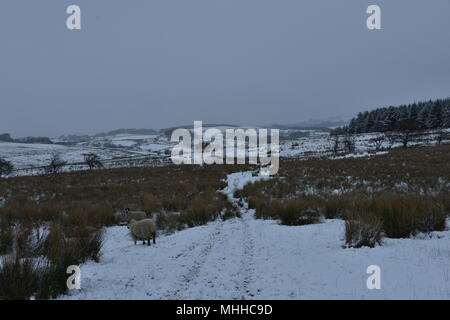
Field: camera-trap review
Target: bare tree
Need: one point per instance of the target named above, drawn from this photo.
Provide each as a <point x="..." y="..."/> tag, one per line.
<point x="349" y="143"/>
<point x="378" y="141"/>
<point x="441" y="136"/>
<point x="404" y="137"/>
<point x="392" y="138"/>
<point x="6" y="167"/>
<point x="406" y="130"/>
<point x="336" y="142"/>
<point x="93" y="161"/>
<point x="56" y="164"/>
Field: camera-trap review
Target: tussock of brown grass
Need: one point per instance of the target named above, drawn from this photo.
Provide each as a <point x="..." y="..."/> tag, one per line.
<point x="6" y="236"/>
<point x="18" y="278"/>
<point x="397" y="216"/>
<point x="73" y="246"/>
<point x="334" y="206"/>
<point x="362" y="229"/>
<point x="406" y="215"/>
<point x="297" y="211"/>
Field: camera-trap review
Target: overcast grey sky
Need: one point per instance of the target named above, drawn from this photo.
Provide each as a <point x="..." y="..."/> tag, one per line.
<point x="161" y="63"/>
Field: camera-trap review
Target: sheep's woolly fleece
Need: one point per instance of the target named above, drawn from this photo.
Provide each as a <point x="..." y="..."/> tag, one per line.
<point x="246" y="258"/>
<point x="142" y="230"/>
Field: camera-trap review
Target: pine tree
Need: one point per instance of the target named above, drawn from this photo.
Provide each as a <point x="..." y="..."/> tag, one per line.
<point x="423" y="115"/>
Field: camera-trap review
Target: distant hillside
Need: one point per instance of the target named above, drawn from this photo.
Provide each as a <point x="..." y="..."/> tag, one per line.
<point x="302" y="127"/>
<point x="168" y="131"/>
<point x="6" y="137"/>
<point x="417" y="116"/>
<point x="128" y="131"/>
<point x="313" y="124"/>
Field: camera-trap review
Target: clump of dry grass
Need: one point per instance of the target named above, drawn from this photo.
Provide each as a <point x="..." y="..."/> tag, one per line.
<point x="334" y="206"/>
<point x="200" y="212"/>
<point x="18" y="278"/>
<point x="301" y="210"/>
<point x="24" y="278"/>
<point x="73" y="247"/>
<point x="6" y="236"/>
<point x="362" y="229"/>
<point x="37" y="265"/>
<point x="396" y="216"/>
<point x="168" y="222"/>
<point x="406" y="215"/>
<point x="292" y="216"/>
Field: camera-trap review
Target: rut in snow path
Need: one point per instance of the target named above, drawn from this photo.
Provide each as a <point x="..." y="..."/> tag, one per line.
<point x="193" y="270"/>
<point x="248" y="262"/>
<point x="236" y="250"/>
<point x="225" y="262"/>
<point x="225" y="271"/>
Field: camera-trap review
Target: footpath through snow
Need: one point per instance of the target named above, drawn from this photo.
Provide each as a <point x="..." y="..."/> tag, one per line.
<point x="246" y="258"/>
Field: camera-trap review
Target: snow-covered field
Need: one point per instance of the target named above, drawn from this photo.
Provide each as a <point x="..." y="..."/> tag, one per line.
<point x="113" y="149"/>
<point x="24" y="155"/>
<point x="246" y="258"/>
<point x="28" y="159"/>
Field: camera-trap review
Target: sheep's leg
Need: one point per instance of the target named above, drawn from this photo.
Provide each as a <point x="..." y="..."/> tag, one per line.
<point x="148" y="241"/>
<point x="135" y="242"/>
<point x="143" y="241"/>
<point x="154" y="238"/>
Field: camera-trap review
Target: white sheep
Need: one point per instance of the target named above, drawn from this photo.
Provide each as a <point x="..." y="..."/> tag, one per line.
<point x="127" y="215"/>
<point x="142" y="230"/>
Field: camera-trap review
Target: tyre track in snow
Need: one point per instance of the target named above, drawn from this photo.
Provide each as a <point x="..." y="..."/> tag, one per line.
<point x="226" y="270"/>
<point x="248" y="258"/>
<point x="193" y="270"/>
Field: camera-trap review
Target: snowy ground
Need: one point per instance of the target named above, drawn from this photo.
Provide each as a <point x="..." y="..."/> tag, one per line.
<point x="246" y="258"/>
